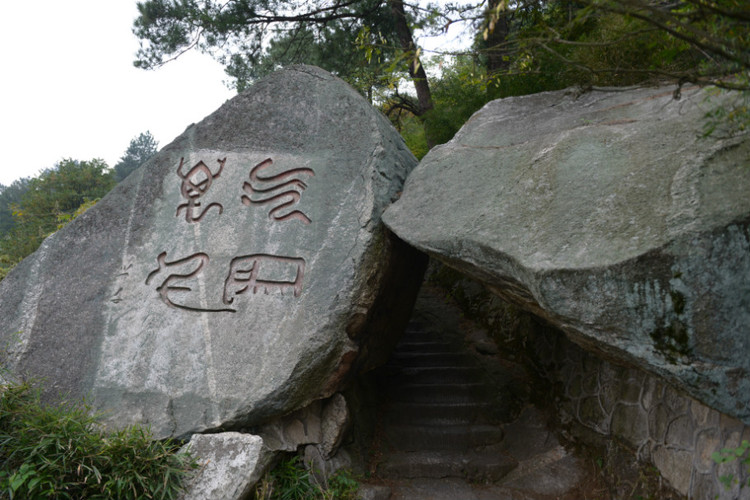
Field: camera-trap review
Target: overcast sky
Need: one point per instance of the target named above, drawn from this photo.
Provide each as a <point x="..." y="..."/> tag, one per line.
<point x="70" y="90"/>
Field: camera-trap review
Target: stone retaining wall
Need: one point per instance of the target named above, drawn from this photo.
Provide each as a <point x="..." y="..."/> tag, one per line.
<point x="674" y="432"/>
<point x="595" y="399"/>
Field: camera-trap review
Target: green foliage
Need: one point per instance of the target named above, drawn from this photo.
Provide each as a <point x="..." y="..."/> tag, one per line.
<point x="9" y="196"/>
<point x="548" y="46"/>
<point x="61" y="452"/>
<point x="460" y="92"/>
<point x="141" y="148"/>
<point x="521" y="47"/>
<point x="728" y="455"/>
<point x="32" y="209"/>
<point x="342" y="485"/>
<point x="525" y="65"/>
<point x="610" y="49"/>
<point x="412" y="130"/>
<point x="623" y="42"/>
<point x="64" y="219"/>
<point x="368" y="43"/>
<point x="50" y="199"/>
<point x="292" y="480"/>
<point x="555" y="44"/>
<point x="730" y="119"/>
<point x="6" y="264"/>
<point x="338" y="47"/>
<point x="254" y="37"/>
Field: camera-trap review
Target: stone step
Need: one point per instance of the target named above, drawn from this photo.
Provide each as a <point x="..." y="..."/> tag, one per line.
<point x="434" y="359"/>
<point x="425" y="346"/>
<point x="476" y="466"/>
<point x="439" y="393"/>
<point x="418" y="327"/>
<point x="440" y="375"/>
<point x="416" y="338"/>
<point x="460" y="437"/>
<point x="416" y="335"/>
<point x="439" y="413"/>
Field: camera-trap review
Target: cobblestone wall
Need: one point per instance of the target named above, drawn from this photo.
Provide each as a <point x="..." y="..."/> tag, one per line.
<point x="596" y="399"/>
<point x="674" y="432"/>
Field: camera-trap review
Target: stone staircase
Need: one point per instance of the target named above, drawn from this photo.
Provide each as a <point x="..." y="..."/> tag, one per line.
<point x="440" y="418"/>
<point x="451" y="426"/>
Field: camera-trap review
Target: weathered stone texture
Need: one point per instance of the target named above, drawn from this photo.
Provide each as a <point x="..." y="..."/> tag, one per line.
<point x="673" y="431"/>
<point x="322" y="424"/>
<point x="609" y="215"/>
<point x="661" y="425"/>
<point x="229" y="463"/>
<point x="232" y="278"/>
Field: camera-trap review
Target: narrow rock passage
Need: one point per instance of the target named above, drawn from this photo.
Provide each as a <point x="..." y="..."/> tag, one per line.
<point x="453" y="425"/>
<point x="437" y="421"/>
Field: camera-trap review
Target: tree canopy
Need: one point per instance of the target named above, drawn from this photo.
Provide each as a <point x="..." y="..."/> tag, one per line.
<point x="518" y="46"/>
<point x="253" y="37"/>
<point x="33" y="208"/>
<point x="9" y="196"/>
<point x="49" y="201"/>
<point x="141" y="148"/>
<point x="621" y="42"/>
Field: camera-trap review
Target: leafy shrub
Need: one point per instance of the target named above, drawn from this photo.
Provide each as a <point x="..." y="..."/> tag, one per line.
<point x="61" y="452"/>
<point x="728" y="455"/>
<point x="412" y="130"/>
<point x="292" y="480"/>
<point x="6" y="264"/>
<point x="731" y="118"/>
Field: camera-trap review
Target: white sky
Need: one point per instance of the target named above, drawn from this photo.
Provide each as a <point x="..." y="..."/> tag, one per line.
<point x="69" y="88"/>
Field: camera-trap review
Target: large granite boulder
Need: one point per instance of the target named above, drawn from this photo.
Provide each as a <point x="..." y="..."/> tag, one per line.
<point x="610" y="215"/>
<point x="234" y="277"/>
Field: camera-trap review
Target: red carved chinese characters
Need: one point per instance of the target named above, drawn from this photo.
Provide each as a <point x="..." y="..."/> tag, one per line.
<point x="247" y="273"/>
<point x="282" y="273"/>
<point x="190" y="267"/>
<point x="195" y="184"/>
<point x="281" y="191"/>
<point x="253" y="272"/>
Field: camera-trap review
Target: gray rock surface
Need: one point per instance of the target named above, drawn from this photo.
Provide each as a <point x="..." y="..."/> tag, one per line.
<point x="609" y="215"/>
<point x="230" y="465"/>
<point x="231" y="279"/>
<point x="323" y="423"/>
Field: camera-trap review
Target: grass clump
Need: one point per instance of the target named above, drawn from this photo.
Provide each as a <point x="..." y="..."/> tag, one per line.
<point x="292" y="480"/>
<point x="61" y="452"/>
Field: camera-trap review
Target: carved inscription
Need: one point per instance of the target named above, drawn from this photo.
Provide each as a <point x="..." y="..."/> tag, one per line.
<point x="282" y="191"/>
<point x="195" y="184"/>
<point x="247" y="273"/>
<point x="262" y="271"/>
<point x="190" y="267"/>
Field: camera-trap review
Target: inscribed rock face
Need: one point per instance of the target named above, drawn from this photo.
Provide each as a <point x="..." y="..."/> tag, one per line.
<point x="215" y="286"/>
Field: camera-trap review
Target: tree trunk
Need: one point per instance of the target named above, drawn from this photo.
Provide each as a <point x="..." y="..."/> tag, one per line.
<point x="497" y="53"/>
<point x="416" y="70"/>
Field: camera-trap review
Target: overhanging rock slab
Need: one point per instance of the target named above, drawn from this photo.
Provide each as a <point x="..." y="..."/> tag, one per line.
<point x="610" y="215"/>
<point x="230" y="279"/>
